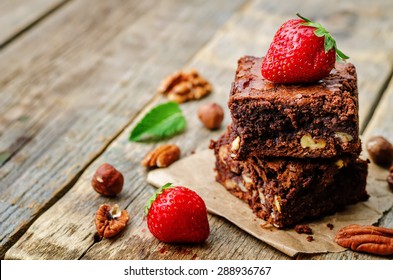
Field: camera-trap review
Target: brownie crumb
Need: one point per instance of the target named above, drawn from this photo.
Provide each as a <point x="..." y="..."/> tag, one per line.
<point x="330" y="226"/>
<point x="310" y="238"/>
<point x="303" y="229"/>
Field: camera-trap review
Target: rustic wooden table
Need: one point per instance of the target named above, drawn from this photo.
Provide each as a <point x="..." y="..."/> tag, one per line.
<point x="76" y="76"/>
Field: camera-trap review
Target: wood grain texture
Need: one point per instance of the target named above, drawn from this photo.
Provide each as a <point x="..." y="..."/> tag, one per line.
<point x="91" y="69"/>
<point x="66" y="230"/>
<point x="17" y="15"/>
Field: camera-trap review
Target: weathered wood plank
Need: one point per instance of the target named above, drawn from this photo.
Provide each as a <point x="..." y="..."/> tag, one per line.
<point x="248" y="32"/>
<point x="17" y="15"/>
<point x="79" y="104"/>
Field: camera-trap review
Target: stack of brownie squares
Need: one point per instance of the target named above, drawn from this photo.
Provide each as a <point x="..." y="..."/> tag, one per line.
<point x="292" y="151"/>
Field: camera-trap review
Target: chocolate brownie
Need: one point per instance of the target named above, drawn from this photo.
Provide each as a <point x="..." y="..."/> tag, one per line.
<point x="303" y="121"/>
<point x="286" y="191"/>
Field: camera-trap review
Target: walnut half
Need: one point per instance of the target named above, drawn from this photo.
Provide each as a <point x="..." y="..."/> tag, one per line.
<point x="110" y="221"/>
<point x="183" y="86"/>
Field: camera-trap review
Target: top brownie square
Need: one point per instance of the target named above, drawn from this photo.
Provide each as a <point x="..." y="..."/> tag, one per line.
<point x="302" y="121"/>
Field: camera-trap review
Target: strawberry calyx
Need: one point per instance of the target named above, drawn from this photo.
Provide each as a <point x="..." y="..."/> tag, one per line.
<point x="329" y="41"/>
<point x="155" y="195"/>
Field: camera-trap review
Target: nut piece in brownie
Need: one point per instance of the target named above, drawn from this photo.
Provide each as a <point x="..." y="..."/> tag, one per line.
<point x="286" y="191"/>
<point x="233" y="174"/>
<point x="302" y="121"/>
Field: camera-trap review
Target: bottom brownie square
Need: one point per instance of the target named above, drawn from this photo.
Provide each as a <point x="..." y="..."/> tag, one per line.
<point x="286" y="191"/>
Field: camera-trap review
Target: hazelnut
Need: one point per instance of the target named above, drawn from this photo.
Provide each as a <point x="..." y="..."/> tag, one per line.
<point x="107" y="180"/>
<point x="211" y="115"/>
<point x="380" y="151"/>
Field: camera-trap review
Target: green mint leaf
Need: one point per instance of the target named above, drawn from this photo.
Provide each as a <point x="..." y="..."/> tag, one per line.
<point x="154" y="197"/>
<point x="161" y="122"/>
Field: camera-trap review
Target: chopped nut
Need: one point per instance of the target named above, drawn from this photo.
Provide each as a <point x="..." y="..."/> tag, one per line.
<point x="110" y="221"/>
<point x="308" y="142"/>
<point x="330" y="226"/>
<point x="107" y="180"/>
<point x="345" y="137"/>
<point x="235" y="144"/>
<point x="380" y="151"/>
<point x="340" y="163"/>
<point x="162" y="156"/>
<point x="230" y="184"/>
<point x="247" y="179"/>
<point x="183" y="86"/>
<point x="303" y="229"/>
<point x="242" y="187"/>
<point x="223" y="154"/>
<point x="370" y="239"/>
<point x="277" y="200"/>
<point x="211" y="115"/>
<point x="310" y="238"/>
<point x="261" y="196"/>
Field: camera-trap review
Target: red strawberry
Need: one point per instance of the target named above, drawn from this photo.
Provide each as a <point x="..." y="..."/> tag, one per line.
<point x="177" y="215"/>
<point x="301" y="52"/>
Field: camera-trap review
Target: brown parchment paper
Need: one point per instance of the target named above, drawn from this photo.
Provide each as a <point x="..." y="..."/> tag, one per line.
<point x="196" y="172"/>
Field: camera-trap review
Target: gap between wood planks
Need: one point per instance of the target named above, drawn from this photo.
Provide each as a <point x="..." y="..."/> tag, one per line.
<point x="76" y="176"/>
<point x="381" y="92"/>
<point x="138" y="115"/>
<point x="32" y="24"/>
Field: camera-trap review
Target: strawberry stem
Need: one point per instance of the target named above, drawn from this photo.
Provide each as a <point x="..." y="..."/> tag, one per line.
<point x="329" y="41"/>
<point x="154" y="197"/>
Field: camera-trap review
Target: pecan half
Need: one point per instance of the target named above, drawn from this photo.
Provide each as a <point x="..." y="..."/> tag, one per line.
<point x="370" y="239"/>
<point x="110" y="221"/>
<point x="183" y="86"/>
<point x="162" y="156"/>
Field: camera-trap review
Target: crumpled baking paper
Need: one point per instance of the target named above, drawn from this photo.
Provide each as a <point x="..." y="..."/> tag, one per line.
<point x="196" y="172"/>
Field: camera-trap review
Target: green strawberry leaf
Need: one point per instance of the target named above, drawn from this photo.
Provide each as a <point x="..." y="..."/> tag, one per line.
<point x="154" y="197"/>
<point x="161" y="122"/>
<point x="340" y="56"/>
<point x="320" y="32"/>
<point x="329" y="41"/>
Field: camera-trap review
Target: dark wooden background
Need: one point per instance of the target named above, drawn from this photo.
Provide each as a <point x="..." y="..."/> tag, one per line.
<point x="76" y="76"/>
